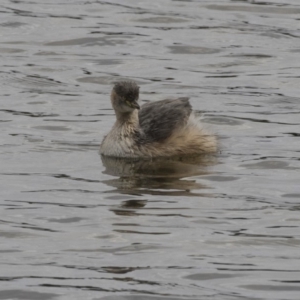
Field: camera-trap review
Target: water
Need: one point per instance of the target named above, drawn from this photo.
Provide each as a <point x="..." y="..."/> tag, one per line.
<point x="76" y="227"/>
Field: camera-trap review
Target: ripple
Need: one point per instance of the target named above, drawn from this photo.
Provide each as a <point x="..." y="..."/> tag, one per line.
<point x="26" y="295"/>
<point x="220" y="178"/>
<point x="291" y="195"/>
<point x="269" y="165"/>
<point x="11" y="50"/>
<point x="89" y="41"/>
<point x="269" y="287"/>
<point x="142" y="296"/>
<point x="163" y="19"/>
<point x="28" y="114"/>
<point x="256" y="9"/>
<point x="210" y="276"/>
<point x="52" y="128"/>
<point x="16" y="234"/>
<point x="222" y="121"/>
<point x="12" y="24"/>
<point x="37" y="81"/>
<point x="181" y="49"/>
<point x="139" y="232"/>
<point x="66" y="220"/>
<point x="104" y="79"/>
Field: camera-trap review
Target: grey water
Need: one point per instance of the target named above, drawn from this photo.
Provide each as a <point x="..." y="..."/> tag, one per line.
<point x="75" y="226"/>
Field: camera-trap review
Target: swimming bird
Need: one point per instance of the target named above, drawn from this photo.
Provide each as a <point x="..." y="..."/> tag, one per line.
<point x="165" y="128"/>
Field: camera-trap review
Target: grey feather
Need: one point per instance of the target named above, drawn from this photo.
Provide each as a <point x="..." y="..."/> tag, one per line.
<point x="158" y="120"/>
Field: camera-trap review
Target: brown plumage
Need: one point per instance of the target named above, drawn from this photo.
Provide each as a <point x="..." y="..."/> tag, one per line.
<point x="163" y="128"/>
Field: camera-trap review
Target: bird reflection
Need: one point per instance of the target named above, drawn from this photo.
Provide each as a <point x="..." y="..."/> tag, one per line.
<point x="157" y="177"/>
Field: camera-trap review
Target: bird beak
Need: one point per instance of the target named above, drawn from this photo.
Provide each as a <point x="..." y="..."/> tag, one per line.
<point x="135" y="105"/>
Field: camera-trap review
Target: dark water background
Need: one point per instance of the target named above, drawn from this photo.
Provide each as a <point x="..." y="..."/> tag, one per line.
<point x="74" y="227"/>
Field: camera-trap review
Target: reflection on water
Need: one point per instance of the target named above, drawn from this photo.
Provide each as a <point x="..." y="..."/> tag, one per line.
<point x="77" y="226"/>
<point x="158" y="176"/>
<point x="158" y="168"/>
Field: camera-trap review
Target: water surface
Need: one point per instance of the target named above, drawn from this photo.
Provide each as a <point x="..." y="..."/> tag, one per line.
<point x="74" y="226"/>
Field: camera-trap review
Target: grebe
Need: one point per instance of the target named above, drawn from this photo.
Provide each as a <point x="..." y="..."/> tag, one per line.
<point x="166" y="128"/>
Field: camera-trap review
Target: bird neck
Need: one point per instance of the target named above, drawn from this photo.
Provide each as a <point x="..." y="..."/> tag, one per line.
<point x="128" y="118"/>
